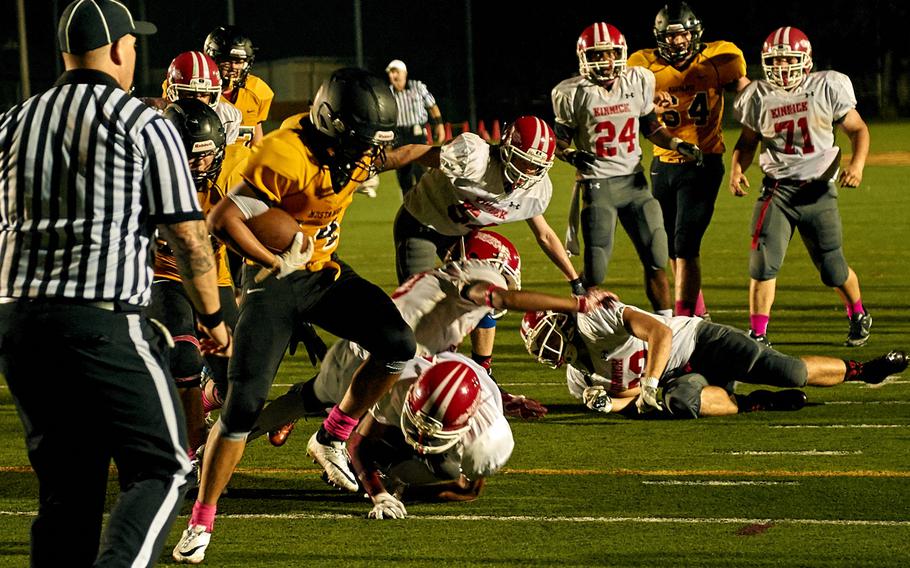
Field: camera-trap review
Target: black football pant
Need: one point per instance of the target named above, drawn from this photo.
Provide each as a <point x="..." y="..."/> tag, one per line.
<point x="409" y="175"/>
<point x="91" y="385"/>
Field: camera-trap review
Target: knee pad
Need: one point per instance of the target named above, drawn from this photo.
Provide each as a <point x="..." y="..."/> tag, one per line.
<point x="779" y="370"/>
<point x="399" y="346"/>
<point x="682" y="395"/>
<point x="186" y="361"/>
<point x="761" y="266"/>
<point x="229" y="434"/>
<point x="658" y="249"/>
<point x="833" y="268"/>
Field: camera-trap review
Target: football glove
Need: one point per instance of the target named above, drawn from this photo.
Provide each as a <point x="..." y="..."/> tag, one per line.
<point x="304" y="333"/>
<point x="520" y="406"/>
<point x="597" y="399"/>
<point x="688" y="150"/>
<point x="582" y="160"/>
<point x="291" y="260"/>
<point x="386" y="506"/>
<point x="650" y="396"/>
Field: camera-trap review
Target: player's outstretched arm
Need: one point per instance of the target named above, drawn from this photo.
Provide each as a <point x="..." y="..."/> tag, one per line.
<point x="362" y="451"/>
<point x="422" y="154"/>
<point x="743" y="154"/>
<point x="551" y="246"/>
<point x="855" y="128"/>
<point x="485" y="293"/>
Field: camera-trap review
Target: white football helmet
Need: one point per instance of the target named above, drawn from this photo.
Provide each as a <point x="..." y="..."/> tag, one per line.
<point x="548" y="337"/>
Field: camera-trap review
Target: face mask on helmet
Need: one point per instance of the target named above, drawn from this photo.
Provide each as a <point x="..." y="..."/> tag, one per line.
<point x="193" y="74"/>
<point x="671" y="26"/>
<point x="227" y="44"/>
<point x="439" y="406"/>
<point x="527" y="150"/>
<point x="202" y="133"/>
<point x="786" y="58"/>
<point x="548" y="337"/>
<point x="601" y="51"/>
<point x="357" y="112"/>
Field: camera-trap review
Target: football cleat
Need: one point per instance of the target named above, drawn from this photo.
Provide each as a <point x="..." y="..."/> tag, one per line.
<point x="860" y="328"/>
<point x="278" y="437"/>
<point x="191" y="547"/>
<point x="333" y="458"/>
<point x="784" y="400"/>
<point x="761" y="339"/>
<point x="880" y="368"/>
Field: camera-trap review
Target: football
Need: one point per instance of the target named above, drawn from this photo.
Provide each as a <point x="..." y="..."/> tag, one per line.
<point x="275" y="229"/>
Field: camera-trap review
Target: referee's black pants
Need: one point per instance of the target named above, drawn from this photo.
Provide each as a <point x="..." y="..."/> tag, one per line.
<point x="90" y="386"/>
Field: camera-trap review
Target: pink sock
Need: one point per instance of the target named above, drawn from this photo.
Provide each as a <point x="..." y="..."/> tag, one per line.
<point x="683" y="308"/>
<point x="203" y="515"/>
<point x="339" y="424"/>
<point x="700" y="308"/>
<point x="210" y="404"/>
<point x="855" y="308"/>
<point x="759" y="323"/>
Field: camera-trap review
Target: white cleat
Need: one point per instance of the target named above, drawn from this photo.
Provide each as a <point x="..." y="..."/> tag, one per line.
<point x="334" y="459"/>
<point x="192" y="545"/>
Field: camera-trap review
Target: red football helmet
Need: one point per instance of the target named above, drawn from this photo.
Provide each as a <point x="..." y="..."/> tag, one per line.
<point x="793" y="46"/>
<point x="527" y="150"/>
<point x="193" y="73"/>
<point x="596" y="39"/>
<point x="498" y="251"/>
<point x="439" y="406"/>
<point x="548" y="337"/>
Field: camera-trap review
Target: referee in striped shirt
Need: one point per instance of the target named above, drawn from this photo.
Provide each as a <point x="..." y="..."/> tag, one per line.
<point x="86" y="173"/>
<point x="416" y="106"/>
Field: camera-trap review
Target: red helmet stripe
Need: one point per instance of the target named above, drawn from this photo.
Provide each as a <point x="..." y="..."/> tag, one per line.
<point x="441" y="389"/>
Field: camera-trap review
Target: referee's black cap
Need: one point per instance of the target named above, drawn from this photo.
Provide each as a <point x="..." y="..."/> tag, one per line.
<point x="88" y="24"/>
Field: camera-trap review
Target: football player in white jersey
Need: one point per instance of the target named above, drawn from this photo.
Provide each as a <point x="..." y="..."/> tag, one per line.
<point x="601" y="112"/>
<point x="193" y="74"/>
<point x="792" y="112"/>
<point x="472" y="184"/>
<point x="437" y="435"/>
<point x="621" y="358"/>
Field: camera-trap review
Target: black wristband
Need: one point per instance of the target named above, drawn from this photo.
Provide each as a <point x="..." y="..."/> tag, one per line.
<point x="577" y="286"/>
<point x="212" y="320"/>
<point x="435" y="121"/>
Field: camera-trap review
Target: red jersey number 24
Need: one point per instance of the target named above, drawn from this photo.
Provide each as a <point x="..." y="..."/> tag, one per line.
<point x="604" y="145"/>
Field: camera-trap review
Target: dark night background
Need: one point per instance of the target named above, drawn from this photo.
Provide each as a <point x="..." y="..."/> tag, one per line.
<point x="520" y="51"/>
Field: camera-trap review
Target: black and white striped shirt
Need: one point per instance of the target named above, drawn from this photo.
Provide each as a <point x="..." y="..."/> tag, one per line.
<point x="413" y="103"/>
<point x="86" y="172"/>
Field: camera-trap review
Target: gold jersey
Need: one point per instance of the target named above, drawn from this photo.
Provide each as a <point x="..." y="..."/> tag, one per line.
<point x="284" y="171"/>
<point x="697" y="92"/>
<point x="235" y="159"/>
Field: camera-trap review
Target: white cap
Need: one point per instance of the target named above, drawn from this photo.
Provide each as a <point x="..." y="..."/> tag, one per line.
<point x="396" y="64"/>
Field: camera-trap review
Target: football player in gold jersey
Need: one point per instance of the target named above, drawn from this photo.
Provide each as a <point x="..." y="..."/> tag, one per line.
<point x="234" y="54"/>
<point x="309" y="171"/>
<point x="202" y="132"/>
<point x="691" y="77"/>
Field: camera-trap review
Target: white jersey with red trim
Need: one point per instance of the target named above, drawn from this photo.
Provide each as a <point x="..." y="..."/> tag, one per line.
<point x="606" y="122"/>
<point x="797" y="127"/>
<point x="467" y="191"/>
<point x="432" y="305"/>
<point x="615" y="358"/>
<point x="231" y="118"/>
<point x="481" y="455"/>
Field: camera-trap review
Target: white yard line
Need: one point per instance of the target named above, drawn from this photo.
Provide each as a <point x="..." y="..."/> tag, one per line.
<point x="847" y="426"/>
<point x="546" y="519"/>
<point x="716" y="483"/>
<point x="796" y="453"/>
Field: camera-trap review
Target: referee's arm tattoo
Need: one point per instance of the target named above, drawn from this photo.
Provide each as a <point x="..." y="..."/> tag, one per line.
<point x="193" y="251"/>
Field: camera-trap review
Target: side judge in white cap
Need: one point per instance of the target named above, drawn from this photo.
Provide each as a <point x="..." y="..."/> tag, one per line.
<point x="416" y="107"/>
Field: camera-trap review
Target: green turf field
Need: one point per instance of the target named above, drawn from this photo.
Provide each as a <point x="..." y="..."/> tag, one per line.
<point x="827" y="486"/>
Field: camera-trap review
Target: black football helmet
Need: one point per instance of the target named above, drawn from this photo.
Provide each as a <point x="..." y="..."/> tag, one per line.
<point x="226" y="43"/>
<point x="673" y="18"/>
<point x="202" y="133"/>
<point x="357" y="112"/>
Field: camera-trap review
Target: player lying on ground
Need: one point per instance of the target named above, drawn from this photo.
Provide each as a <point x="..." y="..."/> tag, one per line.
<point x="684" y="367"/>
<point x="437" y="435"/>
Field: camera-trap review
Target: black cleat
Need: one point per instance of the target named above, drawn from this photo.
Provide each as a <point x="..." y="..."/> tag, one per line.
<point x="761" y="339"/>
<point x="784" y="400"/>
<point x="880" y="368"/>
<point x="860" y="329"/>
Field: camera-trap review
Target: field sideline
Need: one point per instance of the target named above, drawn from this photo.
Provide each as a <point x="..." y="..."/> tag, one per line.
<point x="826" y="486"/>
